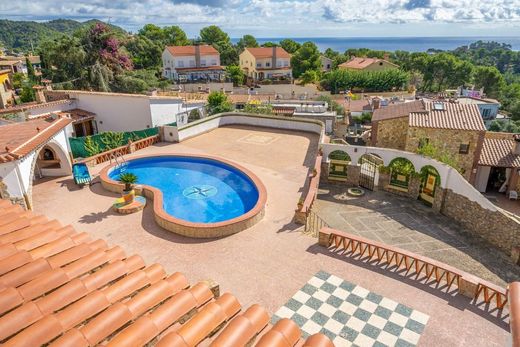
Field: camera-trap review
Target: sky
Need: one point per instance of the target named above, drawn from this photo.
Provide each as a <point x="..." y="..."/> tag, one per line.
<point x="289" y="18"/>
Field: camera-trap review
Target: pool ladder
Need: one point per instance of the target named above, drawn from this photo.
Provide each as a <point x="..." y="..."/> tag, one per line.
<point x="121" y="163"/>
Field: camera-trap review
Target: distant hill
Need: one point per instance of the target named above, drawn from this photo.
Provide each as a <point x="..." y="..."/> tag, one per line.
<point x="18" y="35"/>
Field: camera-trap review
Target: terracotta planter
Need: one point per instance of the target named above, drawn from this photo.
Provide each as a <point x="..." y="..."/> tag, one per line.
<point x="129" y="195"/>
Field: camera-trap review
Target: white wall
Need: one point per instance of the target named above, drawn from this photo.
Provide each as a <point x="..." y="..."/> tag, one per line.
<point x="215" y="121"/>
<point x="450" y="178"/>
<point x="52" y="107"/>
<point x="10" y="178"/>
<point x="482" y="178"/>
<point x="164" y="111"/>
<point x="116" y="112"/>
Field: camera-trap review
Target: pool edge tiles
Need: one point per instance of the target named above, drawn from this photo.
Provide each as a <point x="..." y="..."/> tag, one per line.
<point x="351" y="315"/>
<point x="195" y="229"/>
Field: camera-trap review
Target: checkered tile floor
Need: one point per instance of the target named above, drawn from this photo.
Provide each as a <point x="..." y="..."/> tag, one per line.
<point x="351" y="315"/>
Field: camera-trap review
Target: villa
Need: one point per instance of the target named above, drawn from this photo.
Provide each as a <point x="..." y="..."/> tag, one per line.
<point x="367" y="64"/>
<point x="252" y="230"/>
<point x="192" y="64"/>
<point x="266" y="63"/>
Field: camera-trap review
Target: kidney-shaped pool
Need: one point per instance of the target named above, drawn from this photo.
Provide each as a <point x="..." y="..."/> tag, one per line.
<point x="202" y="191"/>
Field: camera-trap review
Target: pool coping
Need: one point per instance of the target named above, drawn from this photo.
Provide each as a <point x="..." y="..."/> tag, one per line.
<point x="192" y="229"/>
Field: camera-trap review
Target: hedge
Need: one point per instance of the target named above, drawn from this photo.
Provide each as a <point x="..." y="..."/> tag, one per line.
<point x="77" y="144"/>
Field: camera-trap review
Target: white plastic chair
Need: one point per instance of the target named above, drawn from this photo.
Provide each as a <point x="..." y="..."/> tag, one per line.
<point x="513" y="195"/>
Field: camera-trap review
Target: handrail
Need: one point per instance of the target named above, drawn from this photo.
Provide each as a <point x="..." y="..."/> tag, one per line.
<point x="514" y="313"/>
<point x="468" y="284"/>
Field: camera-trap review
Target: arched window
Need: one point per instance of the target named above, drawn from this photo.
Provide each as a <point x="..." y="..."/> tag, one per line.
<point x="401" y="170"/>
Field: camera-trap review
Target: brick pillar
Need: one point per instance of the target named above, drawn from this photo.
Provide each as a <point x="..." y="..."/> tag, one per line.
<point x="353" y="173"/>
<point x="468" y="287"/>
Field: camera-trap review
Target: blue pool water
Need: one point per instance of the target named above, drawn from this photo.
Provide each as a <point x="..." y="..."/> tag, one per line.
<point x="195" y="189"/>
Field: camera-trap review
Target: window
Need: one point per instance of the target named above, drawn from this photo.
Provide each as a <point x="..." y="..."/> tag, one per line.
<point x="203" y="62"/>
<point x="192" y="63"/>
<point x="486" y="113"/>
<point x="214" y="62"/>
<point x="180" y="63"/>
<point x="464" y="148"/>
<point x="423" y="142"/>
<point x="286" y="63"/>
<point x="267" y="64"/>
<point x="258" y="64"/>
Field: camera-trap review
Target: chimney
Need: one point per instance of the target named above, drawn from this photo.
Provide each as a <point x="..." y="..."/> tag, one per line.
<point x="47" y="84"/>
<point x="40" y="96"/>
<point x="516" y="145"/>
<point x="197" y="56"/>
<point x="386" y="56"/>
<point x="376" y="103"/>
<point x="274" y="57"/>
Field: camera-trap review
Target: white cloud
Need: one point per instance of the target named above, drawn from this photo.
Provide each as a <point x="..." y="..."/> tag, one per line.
<point x="299" y="17"/>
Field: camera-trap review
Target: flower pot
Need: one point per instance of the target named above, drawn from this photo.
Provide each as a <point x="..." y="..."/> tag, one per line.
<point x="128" y="195"/>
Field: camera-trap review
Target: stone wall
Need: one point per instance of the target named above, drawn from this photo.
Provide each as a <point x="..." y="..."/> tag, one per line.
<point x="450" y="140"/>
<point x="391" y="133"/>
<point x="496" y="227"/>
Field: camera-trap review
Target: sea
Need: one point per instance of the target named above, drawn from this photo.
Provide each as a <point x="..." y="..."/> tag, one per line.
<point x="411" y="44"/>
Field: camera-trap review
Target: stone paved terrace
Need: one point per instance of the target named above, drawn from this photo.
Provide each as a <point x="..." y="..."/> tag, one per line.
<point x="410" y="225"/>
<point x="270" y="262"/>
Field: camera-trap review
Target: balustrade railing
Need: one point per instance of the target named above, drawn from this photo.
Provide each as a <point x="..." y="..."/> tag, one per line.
<point x="405" y="262"/>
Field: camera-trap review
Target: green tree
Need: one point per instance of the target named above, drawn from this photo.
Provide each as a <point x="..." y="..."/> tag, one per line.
<point x="306" y="58"/>
<point x="213" y="34"/>
<point x="236" y="74"/>
<point x="309" y="76"/>
<point x="258" y="108"/>
<point x="489" y="78"/>
<point x="18" y="79"/>
<point x="246" y="41"/>
<point x="28" y="93"/>
<point x="228" y="53"/>
<point x="167" y="36"/>
<point x="290" y="46"/>
<point x="218" y="102"/>
<point x="145" y="53"/>
<point x="269" y="44"/>
<point x="31" y="74"/>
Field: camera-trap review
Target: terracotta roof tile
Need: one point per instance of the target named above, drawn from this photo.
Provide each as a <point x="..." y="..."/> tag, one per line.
<point x="448" y="115"/>
<point x="19" y="139"/>
<point x="267" y="52"/>
<point x="362" y="63"/>
<point x="59" y="287"/>
<point x="398" y="110"/>
<point x="190" y="50"/>
<point x="499" y="153"/>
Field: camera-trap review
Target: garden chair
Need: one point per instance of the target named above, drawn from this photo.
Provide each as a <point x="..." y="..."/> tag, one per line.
<point x="513" y="195"/>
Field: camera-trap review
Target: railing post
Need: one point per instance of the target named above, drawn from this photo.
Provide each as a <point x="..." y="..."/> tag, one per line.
<point x="514" y="313"/>
<point x="468" y="286"/>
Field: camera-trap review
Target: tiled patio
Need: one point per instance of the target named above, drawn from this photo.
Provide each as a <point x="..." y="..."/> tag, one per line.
<point x="271" y="261"/>
<point x="410" y="225"/>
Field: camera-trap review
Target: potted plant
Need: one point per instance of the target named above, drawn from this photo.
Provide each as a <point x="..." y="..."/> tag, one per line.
<point x="129" y="179"/>
<point x="300" y="204"/>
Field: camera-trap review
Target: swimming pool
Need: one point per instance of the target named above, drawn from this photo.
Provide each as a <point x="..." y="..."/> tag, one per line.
<point x="195" y="192"/>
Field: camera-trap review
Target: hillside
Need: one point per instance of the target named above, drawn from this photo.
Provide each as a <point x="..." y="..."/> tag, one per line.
<point x="18" y="35"/>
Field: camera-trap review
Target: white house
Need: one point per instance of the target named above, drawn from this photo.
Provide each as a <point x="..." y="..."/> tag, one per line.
<point x="29" y="149"/>
<point x="192" y="63"/>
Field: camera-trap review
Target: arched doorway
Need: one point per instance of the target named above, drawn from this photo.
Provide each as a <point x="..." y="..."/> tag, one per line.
<point x="430" y="180"/>
<point x="338" y="163"/>
<point x="51" y="160"/>
<point x="369" y="164"/>
<point x="401" y="171"/>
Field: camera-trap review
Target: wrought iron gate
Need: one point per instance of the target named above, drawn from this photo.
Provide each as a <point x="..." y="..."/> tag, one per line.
<point x="369" y="164"/>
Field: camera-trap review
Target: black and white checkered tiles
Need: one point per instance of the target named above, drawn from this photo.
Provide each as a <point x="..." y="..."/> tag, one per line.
<point x="351" y="315"/>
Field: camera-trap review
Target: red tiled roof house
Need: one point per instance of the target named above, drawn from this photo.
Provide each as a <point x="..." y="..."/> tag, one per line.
<point x="261" y="63"/>
<point x="192" y="63"/>
<point x="367" y="64"/>
<point x="456" y="128"/>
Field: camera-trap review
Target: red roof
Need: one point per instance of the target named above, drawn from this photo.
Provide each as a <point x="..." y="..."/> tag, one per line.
<point x="397" y="110"/>
<point x="60" y="286"/>
<point x="190" y="50"/>
<point x="361" y="63"/>
<point x="448" y="115"/>
<point x="499" y="153"/>
<point x="267" y="52"/>
<point x="19" y="139"/>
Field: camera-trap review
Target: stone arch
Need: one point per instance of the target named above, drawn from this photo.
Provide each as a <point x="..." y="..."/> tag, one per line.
<point x="338" y="165"/>
<point x="401" y="171"/>
<point x="373" y="157"/>
<point x="429" y="168"/>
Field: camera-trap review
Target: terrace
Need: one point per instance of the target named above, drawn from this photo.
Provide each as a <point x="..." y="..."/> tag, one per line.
<point x="273" y="263"/>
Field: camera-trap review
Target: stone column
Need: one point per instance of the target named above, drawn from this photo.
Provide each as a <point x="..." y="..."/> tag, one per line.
<point x="384" y="180"/>
<point x="414" y="187"/>
<point x="438" y="199"/>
